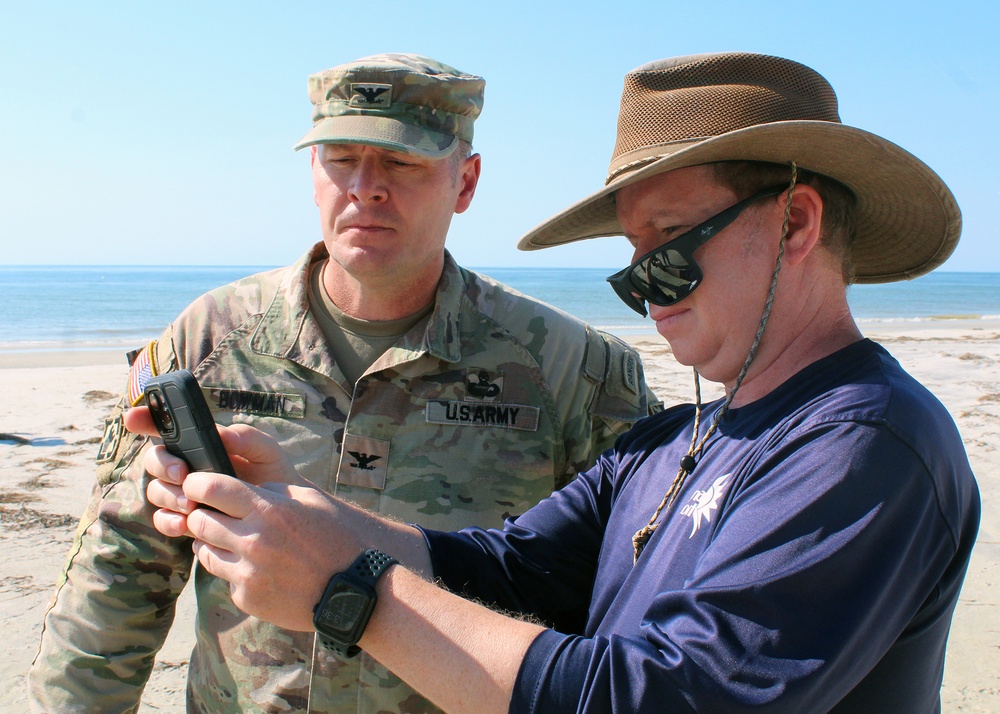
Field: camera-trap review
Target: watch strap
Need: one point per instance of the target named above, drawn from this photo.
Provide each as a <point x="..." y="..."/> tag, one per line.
<point x="345" y="651"/>
<point x="367" y="568"/>
<point x="370" y="565"/>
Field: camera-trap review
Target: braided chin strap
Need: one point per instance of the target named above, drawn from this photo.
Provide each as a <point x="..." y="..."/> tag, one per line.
<point x="689" y="460"/>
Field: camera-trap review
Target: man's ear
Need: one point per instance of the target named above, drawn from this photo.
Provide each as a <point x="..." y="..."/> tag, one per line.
<point x="468" y="179"/>
<point x="804" y="222"/>
<point x="313" y="158"/>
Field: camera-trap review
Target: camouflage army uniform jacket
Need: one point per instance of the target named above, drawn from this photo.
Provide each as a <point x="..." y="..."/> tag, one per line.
<point x="475" y="414"/>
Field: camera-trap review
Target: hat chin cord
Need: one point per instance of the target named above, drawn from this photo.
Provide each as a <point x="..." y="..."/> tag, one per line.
<point x="688" y="461"/>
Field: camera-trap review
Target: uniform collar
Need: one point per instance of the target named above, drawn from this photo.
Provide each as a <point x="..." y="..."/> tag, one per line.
<point x="442" y="336"/>
<point x="288" y="329"/>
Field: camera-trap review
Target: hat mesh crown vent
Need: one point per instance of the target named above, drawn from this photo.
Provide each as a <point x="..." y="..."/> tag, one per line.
<point x="715" y="96"/>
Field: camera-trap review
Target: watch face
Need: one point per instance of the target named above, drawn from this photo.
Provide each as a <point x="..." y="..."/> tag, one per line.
<point x="343" y="611"/>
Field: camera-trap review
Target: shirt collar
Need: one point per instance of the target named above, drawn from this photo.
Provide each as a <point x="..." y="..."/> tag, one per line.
<point x="289" y="330"/>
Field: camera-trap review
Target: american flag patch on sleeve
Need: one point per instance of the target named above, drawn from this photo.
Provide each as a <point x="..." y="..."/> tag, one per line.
<point x="142" y="369"/>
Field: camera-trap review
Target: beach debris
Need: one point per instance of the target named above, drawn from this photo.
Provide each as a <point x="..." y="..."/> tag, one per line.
<point x="24" y="518"/>
<point x="14" y="438"/>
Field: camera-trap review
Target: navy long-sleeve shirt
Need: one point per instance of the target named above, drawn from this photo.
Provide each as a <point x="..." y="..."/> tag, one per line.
<point x="811" y="562"/>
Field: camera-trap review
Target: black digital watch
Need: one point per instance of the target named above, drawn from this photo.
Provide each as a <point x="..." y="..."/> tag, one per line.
<point x="341" y="615"/>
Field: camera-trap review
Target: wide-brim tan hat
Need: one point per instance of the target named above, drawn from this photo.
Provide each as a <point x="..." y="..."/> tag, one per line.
<point x="739" y="106"/>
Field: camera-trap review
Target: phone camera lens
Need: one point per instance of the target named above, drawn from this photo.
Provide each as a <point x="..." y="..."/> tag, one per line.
<point x="161" y="415"/>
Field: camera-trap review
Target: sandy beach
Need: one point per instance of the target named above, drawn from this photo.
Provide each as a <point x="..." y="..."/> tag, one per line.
<point x="53" y="416"/>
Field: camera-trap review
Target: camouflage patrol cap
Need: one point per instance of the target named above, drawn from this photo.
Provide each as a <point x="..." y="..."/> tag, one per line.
<point x="401" y="102"/>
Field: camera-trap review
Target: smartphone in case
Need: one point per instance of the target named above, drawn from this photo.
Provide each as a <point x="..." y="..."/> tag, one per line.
<point x="185" y="422"/>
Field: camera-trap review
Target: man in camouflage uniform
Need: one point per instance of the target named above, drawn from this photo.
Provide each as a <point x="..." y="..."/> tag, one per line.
<point x="392" y="377"/>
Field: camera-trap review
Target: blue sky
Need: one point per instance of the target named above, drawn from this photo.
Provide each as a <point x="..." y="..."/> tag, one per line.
<point x="145" y="133"/>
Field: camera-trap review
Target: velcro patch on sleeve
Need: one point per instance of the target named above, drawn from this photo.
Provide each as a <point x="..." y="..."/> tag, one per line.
<point x="630" y="372"/>
<point x="114" y="427"/>
<point x="482" y="414"/>
<point x="143" y="369"/>
<point x="624" y="377"/>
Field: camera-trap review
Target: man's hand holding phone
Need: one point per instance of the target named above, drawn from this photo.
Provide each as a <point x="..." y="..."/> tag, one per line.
<point x="193" y="443"/>
<point x="269" y="519"/>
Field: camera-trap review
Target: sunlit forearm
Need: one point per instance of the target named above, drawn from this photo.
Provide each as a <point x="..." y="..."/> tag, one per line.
<point x="420" y="631"/>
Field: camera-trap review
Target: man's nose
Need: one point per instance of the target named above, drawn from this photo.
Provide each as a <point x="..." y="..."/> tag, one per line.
<point x="368" y="183"/>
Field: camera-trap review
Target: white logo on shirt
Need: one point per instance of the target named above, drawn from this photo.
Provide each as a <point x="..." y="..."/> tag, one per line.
<point x="704" y="502"/>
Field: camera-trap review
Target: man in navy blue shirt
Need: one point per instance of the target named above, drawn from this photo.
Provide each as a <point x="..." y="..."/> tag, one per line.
<point x="797" y="546"/>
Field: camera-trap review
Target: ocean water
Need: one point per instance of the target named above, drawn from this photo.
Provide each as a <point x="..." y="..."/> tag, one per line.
<point x="96" y="307"/>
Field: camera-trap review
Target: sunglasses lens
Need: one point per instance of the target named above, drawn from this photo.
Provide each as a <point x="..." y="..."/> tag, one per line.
<point x="665" y="277"/>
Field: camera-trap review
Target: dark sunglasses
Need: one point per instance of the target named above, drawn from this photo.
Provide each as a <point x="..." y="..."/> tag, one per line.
<point x="669" y="274"/>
